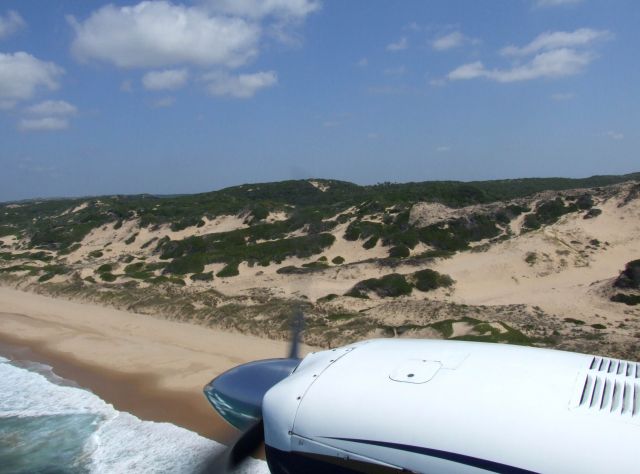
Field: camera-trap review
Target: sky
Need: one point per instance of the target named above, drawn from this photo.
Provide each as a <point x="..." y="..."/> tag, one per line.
<point x="181" y="97"/>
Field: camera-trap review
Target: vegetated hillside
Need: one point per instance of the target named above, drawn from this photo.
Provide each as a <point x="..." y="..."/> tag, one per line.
<point x="240" y="257"/>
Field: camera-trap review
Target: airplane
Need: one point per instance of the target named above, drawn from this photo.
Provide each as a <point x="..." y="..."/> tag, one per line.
<point x="432" y="406"/>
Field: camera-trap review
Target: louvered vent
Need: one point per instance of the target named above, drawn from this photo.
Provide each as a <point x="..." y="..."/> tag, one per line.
<point x="611" y="386"/>
<point x="615" y="366"/>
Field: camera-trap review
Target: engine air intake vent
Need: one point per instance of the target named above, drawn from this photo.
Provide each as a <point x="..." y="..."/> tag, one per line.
<point x="610" y="395"/>
<point x="615" y="367"/>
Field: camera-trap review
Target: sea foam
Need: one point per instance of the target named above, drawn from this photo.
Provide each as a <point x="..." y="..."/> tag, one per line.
<point x="47" y="424"/>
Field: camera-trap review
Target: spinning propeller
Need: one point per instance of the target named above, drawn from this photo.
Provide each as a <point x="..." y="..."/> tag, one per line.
<point x="237" y="396"/>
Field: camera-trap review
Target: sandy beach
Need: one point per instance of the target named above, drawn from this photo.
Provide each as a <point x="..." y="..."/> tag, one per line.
<point x="151" y="367"/>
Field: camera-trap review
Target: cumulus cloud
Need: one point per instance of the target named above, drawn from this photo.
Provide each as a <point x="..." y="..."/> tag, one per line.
<point x="553" y="55"/>
<point x="257" y="9"/>
<point x="163" y="102"/>
<point x="448" y="41"/>
<point x="167" y="79"/>
<point x="562" y="96"/>
<point x="395" y="71"/>
<point x="240" y="86"/>
<point x="159" y="33"/>
<point x="399" y="45"/>
<point x="558" y="39"/>
<point x="362" y="62"/>
<point x="22" y="76"/>
<point x="614" y="135"/>
<point x="43" y="124"/>
<point x="551" y="64"/>
<point x="51" y="108"/>
<point x="11" y="23"/>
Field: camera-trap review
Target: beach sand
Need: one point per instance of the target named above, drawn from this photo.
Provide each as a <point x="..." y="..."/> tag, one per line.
<point x="150" y="367"/>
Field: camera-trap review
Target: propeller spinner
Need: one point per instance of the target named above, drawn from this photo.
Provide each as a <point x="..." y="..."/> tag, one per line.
<point x="237" y="396"/>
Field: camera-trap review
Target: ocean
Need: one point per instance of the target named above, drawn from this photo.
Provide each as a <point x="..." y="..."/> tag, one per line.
<point x="49" y="425"/>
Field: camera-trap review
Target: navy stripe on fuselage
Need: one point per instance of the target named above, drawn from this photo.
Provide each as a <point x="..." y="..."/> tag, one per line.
<point x="485" y="464"/>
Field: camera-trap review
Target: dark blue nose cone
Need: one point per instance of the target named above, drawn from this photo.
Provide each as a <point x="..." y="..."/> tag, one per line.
<point x="237" y="394"/>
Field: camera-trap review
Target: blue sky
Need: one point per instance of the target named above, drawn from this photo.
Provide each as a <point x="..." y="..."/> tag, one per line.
<point x="162" y="97"/>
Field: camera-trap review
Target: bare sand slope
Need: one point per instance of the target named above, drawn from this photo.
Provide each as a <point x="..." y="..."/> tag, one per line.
<point x="567" y="264"/>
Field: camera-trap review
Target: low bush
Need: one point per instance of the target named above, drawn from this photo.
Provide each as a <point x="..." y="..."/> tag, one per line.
<point x="202" y="276"/>
<point x="629" y="300"/>
<point x="230" y="270"/>
<point x="427" y="280"/>
<point x="337" y="260"/>
<point x="105" y="268"/>
<point x="399" y="251"/>
<point x="108" y="276"/>
<point x="391" y="285"/>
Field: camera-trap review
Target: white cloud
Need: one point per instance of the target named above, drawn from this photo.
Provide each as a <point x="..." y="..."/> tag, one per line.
<point x="551" y="65"/>
<point x="395" y="71"/>
<point x="159" y="33"/>
<point x="330" y="123"/>
<point x="52" y="108"/>
<point x="363" y="62"/>
<point x="11" y="23"/>
<point x="373" y="136"/>
<point x="163" y="102"/>
<point x="556" y="3"/>
<point x="562" y="96"/>
<point x="241" y="86"/>
<point x="399" y="45"/>
<point x="43" y="124"/>
<point x="614" y="135"/>
<point x="449" y="41"/>
<point x="443" y="149"/>
<point x="22" y="75"/>
<point x="558" y="39"/>
<point x="257" y="9"/>
<point x="167" y="79"/>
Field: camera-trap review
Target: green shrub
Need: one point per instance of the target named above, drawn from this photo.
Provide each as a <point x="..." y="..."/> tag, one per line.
<point x="531" y="258"/>
<point x="95" y="254"/>
<point x="105" y="268"/>
<point x="427" y="280"/>
<point x="371" y="242"/>
<point x="598" y="326"/>
<point x="337" y="260"/>
<point x="108" y="276"/>
<point x="399" y="251"/>
<point x="202" y="276"/>
<point x="131" y="239"/>
<point x="391" y="285"/>
<point x="591" y="213"/>
<point x="629" y="300"/>
<point x="188" y="264"/>
<point x="230" y="270"/>
<point x="577" y="322"/>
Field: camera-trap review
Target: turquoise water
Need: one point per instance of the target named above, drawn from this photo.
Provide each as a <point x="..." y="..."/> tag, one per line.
<point x="51" y="426"/>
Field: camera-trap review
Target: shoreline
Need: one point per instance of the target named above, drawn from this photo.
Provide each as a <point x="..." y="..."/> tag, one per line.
<point x="151" y="367"/>
<point x="137" y="394"/>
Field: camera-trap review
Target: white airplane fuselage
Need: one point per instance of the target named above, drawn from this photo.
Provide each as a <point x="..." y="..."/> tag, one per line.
<point x="433" y="406"/>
